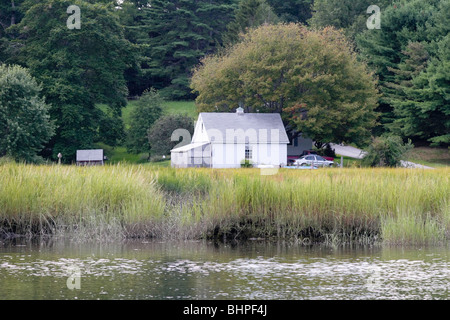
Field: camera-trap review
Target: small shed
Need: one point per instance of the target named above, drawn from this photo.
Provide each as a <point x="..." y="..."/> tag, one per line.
<point x="93" y="157"/>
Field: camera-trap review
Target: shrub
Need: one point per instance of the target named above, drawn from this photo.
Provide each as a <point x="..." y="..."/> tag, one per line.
<point x="246" y="164"/>
<point x="386" y="151"/>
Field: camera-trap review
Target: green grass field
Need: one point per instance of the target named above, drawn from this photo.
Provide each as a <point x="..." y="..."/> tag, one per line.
<point x="169" y="107"/>
<point x="432" y="157"/>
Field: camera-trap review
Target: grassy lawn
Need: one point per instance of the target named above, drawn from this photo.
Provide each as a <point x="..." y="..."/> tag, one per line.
<point x="169" y="107"/>
<point x="432" y="157"/>
<point x="427" y="156"/>
<point x="181" y="107"/>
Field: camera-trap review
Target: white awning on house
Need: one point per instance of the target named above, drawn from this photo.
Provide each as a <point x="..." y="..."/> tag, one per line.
<point x="189" y="147"/>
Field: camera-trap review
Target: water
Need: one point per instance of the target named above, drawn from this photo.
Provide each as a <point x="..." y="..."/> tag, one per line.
<point x="201" y="270"/>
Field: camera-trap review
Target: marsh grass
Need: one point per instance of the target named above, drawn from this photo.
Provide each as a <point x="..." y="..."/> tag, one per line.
<point x="50" y="199"/>
<point x="329" y="205"/>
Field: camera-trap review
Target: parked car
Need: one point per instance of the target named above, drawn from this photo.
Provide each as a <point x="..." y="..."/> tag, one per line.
<point x="306" y="152"/>
<point x="313" y="159"/>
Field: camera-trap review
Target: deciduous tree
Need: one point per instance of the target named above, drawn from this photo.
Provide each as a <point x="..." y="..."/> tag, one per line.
<point x="148" y="109"/>
<point x="78" y="68"/>
<point x="160" y="133"/>
<point x="310" y="77"/>
<point x="25" y="124"/>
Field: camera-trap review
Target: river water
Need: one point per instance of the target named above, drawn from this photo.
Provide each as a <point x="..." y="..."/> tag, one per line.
<point x="198" y="270"/>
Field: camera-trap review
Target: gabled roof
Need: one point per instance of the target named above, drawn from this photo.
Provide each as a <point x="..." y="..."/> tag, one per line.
<point x="256" y="127"/>
<point x="90" y="155"/>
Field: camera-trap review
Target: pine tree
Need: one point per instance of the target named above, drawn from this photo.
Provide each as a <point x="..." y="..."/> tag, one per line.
<point x="10" y="14"/>
<point x="425" y="113"/>
<point x="402" y="23"/>
<point x="250" y="14"/>
<point x="292" y="10"/>
<point x="416" y="58"/>
<point x="172" y="37"/>
<point x="350" y="15"/>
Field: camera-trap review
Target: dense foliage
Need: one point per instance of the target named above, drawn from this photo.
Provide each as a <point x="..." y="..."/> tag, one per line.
<point x="25" y="125"/>
<point x="386" y="151"/>
<point x="409" y="55"/>
<point x="161" y="132"/>
<point x="311" y="77"/>
<point x="123" y="48"/>
<point x="147" y="111"/>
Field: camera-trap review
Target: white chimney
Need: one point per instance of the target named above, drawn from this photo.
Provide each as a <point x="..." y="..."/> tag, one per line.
<point x="240" y="111"/>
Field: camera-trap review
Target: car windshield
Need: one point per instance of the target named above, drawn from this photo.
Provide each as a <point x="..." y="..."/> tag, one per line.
<point x="320" y="158"/>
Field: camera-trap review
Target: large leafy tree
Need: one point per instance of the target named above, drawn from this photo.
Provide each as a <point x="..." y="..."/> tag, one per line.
<point x="311" y="77"/>
<point x="78" y="68"/>
<point x="25" y="124"/>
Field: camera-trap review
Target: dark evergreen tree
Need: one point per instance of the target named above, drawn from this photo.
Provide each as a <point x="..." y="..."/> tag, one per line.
<point x="249" y="14"/>
<point x="172" y="36"/>
<point x="425" y="113"/>
<point x="415" y="61"/>
<point x="292" y="10"/>
<point x="402" y="23"/>
<point x="10" y="14"/>
<point x="350" y="15"/>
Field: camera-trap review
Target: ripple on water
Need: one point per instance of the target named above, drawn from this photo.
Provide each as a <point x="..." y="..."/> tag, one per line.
<point x="260" y="277"/>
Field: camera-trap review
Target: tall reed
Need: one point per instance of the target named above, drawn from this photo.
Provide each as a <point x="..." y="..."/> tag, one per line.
<point x="50" y="199"/>
<point x="327" y="205"/>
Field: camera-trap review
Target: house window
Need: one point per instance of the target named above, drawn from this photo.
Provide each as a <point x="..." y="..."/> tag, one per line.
<point x="248" y="152"/>
<point x="296" y="142"/>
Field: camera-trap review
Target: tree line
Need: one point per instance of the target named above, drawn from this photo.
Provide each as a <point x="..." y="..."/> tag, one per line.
<point x="338" y="82"/>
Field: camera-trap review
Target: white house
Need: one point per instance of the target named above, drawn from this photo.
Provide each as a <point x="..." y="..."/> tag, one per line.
<point x="225" y="140"/>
